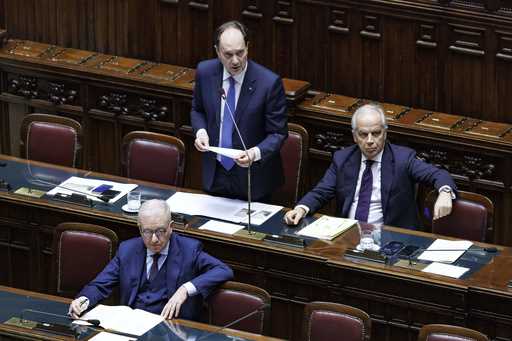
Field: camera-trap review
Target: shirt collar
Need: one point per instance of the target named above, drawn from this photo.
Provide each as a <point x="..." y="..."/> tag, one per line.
<point x="239" y="78"/>
<point x="164" y="251"/>
<point x="377" y="158"/>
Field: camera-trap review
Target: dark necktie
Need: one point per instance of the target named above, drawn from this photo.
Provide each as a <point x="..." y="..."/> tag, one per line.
<point x="365" y="193"/>
<point x="227" y="124"/>
<point x="154" y="267"/>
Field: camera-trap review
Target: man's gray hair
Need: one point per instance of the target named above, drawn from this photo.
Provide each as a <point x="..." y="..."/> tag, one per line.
<point x="154" y="207"/>
<point x="366" y="108"/>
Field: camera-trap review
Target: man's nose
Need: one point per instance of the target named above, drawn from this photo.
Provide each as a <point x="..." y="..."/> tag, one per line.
<point x="234" y="60"/>
<point x="154" y="238"/>
<point x="370" y="138"/>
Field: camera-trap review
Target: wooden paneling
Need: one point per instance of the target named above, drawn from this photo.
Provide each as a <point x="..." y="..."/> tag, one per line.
<point x="449" y="56"/>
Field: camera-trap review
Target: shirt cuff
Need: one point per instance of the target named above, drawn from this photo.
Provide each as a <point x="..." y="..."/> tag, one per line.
<point x="304" y="207"/>
<point x="191" y="289"/>
<point x="451" y="191"/>
<point x="257" y="153"/>
<point x="201" y="133"/>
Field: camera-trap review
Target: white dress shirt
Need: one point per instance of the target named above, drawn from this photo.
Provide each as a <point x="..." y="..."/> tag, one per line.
<point x="239" y="80"/>
<point x="375" y="214"/>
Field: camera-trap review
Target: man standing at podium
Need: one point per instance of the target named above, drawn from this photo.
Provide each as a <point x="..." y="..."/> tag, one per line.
<point x="160" y="272"/>
<point x="375" y="181"/>
<point x="234" y="86"/>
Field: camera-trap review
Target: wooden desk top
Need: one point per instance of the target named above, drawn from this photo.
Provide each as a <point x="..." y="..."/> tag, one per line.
<point x="493" y="276"/>
<point x="176" y="323"/>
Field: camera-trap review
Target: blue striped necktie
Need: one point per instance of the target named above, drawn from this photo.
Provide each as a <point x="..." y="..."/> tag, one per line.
<point x="227" y="125"/>
<point x="365" y="193"/>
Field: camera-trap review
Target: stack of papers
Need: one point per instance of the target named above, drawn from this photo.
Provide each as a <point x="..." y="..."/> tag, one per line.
<point x="222" y="227"/>
<point x="445" y="251"/>
<point x="327" y="227"/>
<point x="221" y="208"/>
<point x="123" y="319"/>
<point x="85" y="186"/>
<point x="445" y="270"/>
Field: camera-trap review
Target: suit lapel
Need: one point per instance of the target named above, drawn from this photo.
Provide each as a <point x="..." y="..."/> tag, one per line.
<point x="386" y="176"/>
<point x="248" y="87"/>
<point x="350" y="174"/>
<point x="174" y="262"/>
<point x="137" y="269"/>
<point x="216" y="85"/>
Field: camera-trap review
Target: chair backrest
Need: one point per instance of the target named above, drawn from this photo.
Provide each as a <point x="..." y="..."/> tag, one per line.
<point x="472" y="214"/>
<point x="322" y="320"/>
<point x="443" y="332"/>
<point x="51" y="138"/>
<point x="234" y="300"/>
<point x="294" y="156"/>
<point x="153" y="157"/>
<point x="80" y="252"/>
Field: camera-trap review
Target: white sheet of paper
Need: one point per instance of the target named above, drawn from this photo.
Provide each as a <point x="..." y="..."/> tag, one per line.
<point x="104" y="336"/>
<point x="85" y="186"/>
<point x="232" y="153"/>
<point x="222" y="227"/>
<point x="445" y="256"/>
<point x="221" y="208"/>
<point x="443" y="269"/>
<point x="123" y="318"/>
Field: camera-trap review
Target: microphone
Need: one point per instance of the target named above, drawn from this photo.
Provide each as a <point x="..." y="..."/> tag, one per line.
<point x="93" y="322"/>
<point x="224" y="97"/>
<point x="491" y="249"/>
<point x="84" y="194"/>
<point x="251" y="313"/>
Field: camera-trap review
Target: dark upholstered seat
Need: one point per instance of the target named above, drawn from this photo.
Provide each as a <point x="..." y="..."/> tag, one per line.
<point x="234" y="300"/>
<point x="442" y="332"/>
<point x="51" y="138"/>
<point x="81" y="251"/>
<point x="324" y="321"/>
<point x="294" y="154"/>
<point x="154" y="157"/>
<point x="471" y="216"/>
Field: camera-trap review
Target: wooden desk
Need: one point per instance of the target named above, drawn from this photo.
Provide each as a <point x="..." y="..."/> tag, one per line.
<point x="177" y="327"/>
<point x="399" y="300"/>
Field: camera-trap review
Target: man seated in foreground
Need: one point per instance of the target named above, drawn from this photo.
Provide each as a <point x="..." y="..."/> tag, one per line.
<point x="375" y="181"/>
<point x="160" y="272"/>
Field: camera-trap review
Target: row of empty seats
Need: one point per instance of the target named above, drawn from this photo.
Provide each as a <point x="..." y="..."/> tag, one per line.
<point x="161" y="158"/>
<point x="147" y="155"/>
<point x="233" y="300"/>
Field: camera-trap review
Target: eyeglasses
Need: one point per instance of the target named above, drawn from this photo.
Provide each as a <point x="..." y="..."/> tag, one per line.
<point x="159" y="232"/>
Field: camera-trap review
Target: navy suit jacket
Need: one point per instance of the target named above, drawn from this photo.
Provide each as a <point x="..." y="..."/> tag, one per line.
<point x="185" y="262"/>
<point x="400" y="171"/>
<point x="260" y="115"/>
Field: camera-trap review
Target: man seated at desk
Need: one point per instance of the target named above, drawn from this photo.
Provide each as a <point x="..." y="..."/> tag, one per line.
<point x="160" y="272"/>
<point x="374" y="181"/>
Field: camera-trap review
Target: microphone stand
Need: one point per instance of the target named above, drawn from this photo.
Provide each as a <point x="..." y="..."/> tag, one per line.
<point x="243" y="317"/>
<point x="249" y="233"/>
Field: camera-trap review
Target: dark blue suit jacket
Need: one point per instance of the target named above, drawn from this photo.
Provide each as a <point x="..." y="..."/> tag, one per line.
<point x="260" y="115"/>
<point x="400" y="171"/>
<point x="185" y="262"/>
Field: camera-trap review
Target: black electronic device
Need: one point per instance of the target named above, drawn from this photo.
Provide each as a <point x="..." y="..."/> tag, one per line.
<point x="74" y="198"/>
<point x="391" y="248"/>
<point x="4" y="186"/>
<point x="285" y="240"/>
<point x="101" y="189"/>
<point x="109" y="194"/>
<point x="367" y="255"/>
<point x="179" y="218"/>
<point x="408" y="251"/>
